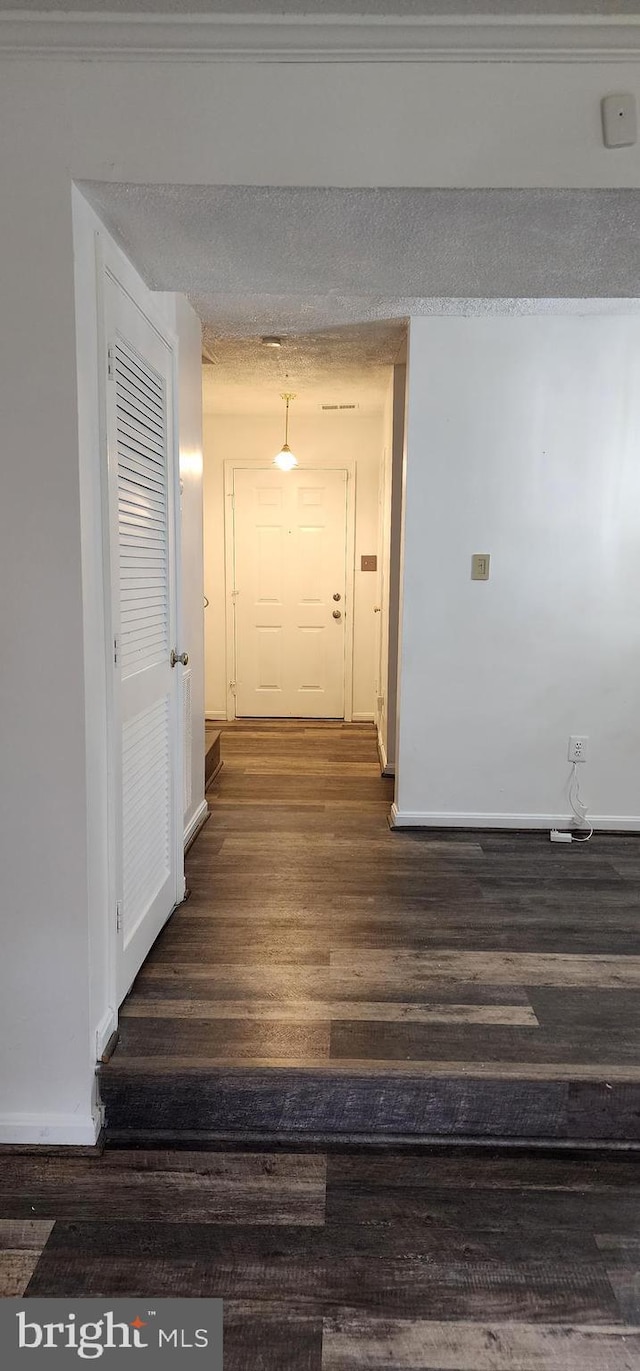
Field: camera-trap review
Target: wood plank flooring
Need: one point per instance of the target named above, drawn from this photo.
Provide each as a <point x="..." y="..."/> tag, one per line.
<point x="331" y="978"/>
<point x="442" y="1259"/>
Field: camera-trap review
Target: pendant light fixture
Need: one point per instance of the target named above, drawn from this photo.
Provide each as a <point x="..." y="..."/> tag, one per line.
<point x="285" y="459"/>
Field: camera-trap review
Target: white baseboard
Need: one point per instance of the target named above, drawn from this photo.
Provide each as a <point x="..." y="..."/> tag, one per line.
<point x="363" y="718"/>
<point x="105" y="1030"/>
<point x="195" y="824"/>
<point x="216" y="716"/>
<point x="49" y="1130"/>
<point x="612" y="823"/>
<point x="386" y="767"/>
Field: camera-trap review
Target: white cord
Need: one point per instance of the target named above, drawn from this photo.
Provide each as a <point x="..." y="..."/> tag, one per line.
<point x="577" y="805"/>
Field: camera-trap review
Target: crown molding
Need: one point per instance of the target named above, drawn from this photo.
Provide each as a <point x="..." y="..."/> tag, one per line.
<point x="313" y="38"/>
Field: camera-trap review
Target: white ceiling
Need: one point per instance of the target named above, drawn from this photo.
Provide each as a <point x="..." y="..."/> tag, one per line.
<point x="335" y="272"/>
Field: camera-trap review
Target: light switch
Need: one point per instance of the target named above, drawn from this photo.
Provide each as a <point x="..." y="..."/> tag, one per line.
<point x="480" y="566"/>
<point x="619" y="121"/>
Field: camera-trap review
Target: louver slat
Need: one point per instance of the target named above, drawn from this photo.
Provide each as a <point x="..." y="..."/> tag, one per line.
<point x="142" y="511"/>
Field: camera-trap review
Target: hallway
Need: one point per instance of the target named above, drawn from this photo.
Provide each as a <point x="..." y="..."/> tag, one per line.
<point x="329" y="978"/>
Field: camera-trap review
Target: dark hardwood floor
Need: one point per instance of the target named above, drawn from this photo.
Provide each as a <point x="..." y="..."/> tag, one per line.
<point x="439" y="1260"/>
<point x="331" y="978"/>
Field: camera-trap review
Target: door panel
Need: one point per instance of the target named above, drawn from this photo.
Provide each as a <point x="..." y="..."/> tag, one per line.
<point x="269" y="658"/>
<point x="289" y="562"/>
<point x="143" y="566"/>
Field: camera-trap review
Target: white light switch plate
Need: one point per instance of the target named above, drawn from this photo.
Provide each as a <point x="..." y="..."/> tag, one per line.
<point x="619" y="121"/>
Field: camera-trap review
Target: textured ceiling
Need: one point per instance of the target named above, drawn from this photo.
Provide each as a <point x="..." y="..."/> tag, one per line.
<point x="335" y="272"/>
<point x="331" y="7"/>
<point x="337" y="366"/>
<point x="329" y="256"/>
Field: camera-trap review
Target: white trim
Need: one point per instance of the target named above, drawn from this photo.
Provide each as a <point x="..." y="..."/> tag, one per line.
<point x="49" y="1130"/>
<point x="195" y="824"/>
<point x="363" y="718"/>
<point x="415" y="819"/>
<point x="350" y="466"/>
<point x="229" y="578"/>
<point x="385" y="768"/>
<point x="215" y="716"/>
<point x="107" y="254"/>
<point x="170" y="338"/>
<point x="112" y="264"/>
<point x="105" y="1030"/>
<point x="233" y="464"/>
<point x="321" y="38"/>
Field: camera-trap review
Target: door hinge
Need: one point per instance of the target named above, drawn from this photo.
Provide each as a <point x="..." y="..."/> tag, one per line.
<point x="109" y="361"/>
<point x="115" y="651"/>
<point x="233" y="687"/>
<point x="118" y="917"/>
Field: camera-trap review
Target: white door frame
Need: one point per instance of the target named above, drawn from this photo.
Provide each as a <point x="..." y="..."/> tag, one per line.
<point x="110" y="263"/>
<point x="233" y="464"/>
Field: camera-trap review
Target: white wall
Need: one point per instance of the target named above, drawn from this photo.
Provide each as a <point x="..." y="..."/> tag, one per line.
<point x="56" y="981"/>
<point x="175" y="122"/>
<point x="329" y="124"/>
<point x="45" y="1088"/>
<point x="318" y="437"/>
<point x="523" y="441"/>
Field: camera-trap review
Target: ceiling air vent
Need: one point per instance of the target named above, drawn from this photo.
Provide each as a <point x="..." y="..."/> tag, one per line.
<point x="339" y="407"/>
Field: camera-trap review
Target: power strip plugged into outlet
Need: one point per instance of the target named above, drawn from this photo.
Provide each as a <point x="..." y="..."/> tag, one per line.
<point x="577" y="753"/>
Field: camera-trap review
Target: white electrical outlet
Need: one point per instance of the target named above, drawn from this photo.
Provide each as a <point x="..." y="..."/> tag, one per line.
<point x="578" y="748"/>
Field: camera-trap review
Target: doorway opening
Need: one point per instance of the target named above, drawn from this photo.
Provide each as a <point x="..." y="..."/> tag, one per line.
<point x="318" y="949"/>
<point x="298" y="581"/>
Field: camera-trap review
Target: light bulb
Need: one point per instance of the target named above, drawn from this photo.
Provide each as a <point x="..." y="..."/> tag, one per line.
<point x="285" y="459"/>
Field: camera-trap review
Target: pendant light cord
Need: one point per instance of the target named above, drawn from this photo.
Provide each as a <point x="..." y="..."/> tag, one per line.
<point x="287" y="397"/>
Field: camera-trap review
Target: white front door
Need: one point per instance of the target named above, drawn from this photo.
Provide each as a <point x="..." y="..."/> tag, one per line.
<point x="290" y="578"/>
<point x="147" y="822"/>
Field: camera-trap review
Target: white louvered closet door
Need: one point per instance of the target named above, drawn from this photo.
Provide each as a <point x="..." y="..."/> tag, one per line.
<point x="148" y="768"/>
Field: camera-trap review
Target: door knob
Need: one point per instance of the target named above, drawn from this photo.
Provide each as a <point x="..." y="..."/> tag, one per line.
<point x="337" y="614"/>
<point x="179" y="657"/>
<point x="336" y="596"/>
